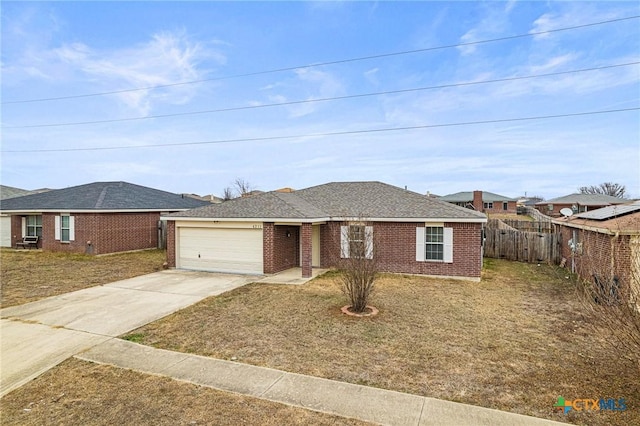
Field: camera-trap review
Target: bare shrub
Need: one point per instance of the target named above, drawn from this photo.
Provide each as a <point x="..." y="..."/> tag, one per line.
<point x="609" y="289"/>
<point x="357" y="263"/>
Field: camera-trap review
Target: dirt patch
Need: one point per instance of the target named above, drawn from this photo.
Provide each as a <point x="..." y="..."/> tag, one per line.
<point x="79" y="392"/>
<point x="32" y="275"/>
<point x="515" y="341"/>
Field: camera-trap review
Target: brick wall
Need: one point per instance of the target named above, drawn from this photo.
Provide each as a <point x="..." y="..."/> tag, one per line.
<point x="395" y="249"/>
<point x="498" y="207"/>
<point x="98" y="233"/>
<point x="477" y="201"/>
<point x="306" y="231"/>
<point x="281" y="247"/>
<point x="602" y="254"/>
<point x="171" y="243"/>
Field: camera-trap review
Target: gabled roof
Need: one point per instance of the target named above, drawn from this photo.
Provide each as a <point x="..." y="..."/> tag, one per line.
<point x="101" y="196"/>
<point x="467" y="197"/>
<point x="369" y="200"/>
<point x="584" y="200"/>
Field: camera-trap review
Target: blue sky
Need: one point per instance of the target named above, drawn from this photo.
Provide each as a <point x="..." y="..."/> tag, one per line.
<point x="68" y="49"/>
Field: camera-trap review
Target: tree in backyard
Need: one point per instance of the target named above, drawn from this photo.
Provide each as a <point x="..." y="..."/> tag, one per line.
<point x="606" y="188"/>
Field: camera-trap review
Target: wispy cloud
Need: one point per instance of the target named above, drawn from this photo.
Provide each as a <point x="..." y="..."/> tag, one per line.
<point x="168" y="58"/>
<point x="495" y="21"/>
<point x="570" y="15"/>
<point x="307" y="84"/>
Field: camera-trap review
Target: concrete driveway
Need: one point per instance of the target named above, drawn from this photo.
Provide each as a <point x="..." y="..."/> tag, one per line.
<point x="39" y="335"/>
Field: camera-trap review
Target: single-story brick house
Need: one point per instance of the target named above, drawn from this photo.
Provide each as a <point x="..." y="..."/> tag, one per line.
<point x="482" y="201"/>
<point x="314" y="227"/>
<point x="7" y="192"/>
<point x="578" y="203"/>
<point x="96" y="218"/>
<point x="604" y="242"/>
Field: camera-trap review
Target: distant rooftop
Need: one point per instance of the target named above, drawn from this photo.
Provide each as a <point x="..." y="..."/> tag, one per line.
<point x="585" y="200"/>
<point x="467" y="197"/>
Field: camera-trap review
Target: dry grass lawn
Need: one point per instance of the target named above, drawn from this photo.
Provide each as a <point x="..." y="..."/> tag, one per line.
<point x="29" y="275"/>
<point x="82" y="393"/>
<point x="515" y="342"/>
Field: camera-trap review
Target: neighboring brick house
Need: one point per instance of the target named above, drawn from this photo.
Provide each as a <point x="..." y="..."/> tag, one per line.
<point x="482" y="201"/>
<point x="97" y="218"/>
<point x="578" y="203"/>
<point x="314" y="227"/>
<point x="604" y="243"/>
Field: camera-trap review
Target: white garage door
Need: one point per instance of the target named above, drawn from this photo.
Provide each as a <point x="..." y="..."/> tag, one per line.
<point x="5" y="231"/>
<point x="220" y="250"/>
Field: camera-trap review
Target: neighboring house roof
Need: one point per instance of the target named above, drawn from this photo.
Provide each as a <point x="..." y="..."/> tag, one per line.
<point x="367" y="200"/>
<point x="210" y="198"/>
<point x="467" y="196"/>
<point x="7" y="192"/>
<point x="610" y="212"/>
<point x="625" y="223"/>
<point x="101" y="196"/>
<point x="286" y="189"/>
<point x="584" y="200"/>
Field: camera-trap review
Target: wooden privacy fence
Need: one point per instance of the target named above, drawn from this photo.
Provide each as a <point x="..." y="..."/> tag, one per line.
<point x="523" y="225"/>
<point x="532" y="247"/>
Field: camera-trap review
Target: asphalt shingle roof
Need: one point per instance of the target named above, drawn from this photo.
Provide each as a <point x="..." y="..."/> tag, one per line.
<point x="467" y="196"/>
<point x="584" y="200"/>
<point x="101" y="196"/>
<point x="337" y="199"/>
<point x="7" y="192"/>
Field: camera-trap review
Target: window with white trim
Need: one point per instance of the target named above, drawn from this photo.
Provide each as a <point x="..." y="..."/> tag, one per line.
<point x="434" y="240"/>
<point x="64" y="228"/>
<point x="505" y="206"/>
<point x="33" y="226"/>
<point x="356" y="241"/>
<point x="488" y="205"/>
<point x="434" y="244"/>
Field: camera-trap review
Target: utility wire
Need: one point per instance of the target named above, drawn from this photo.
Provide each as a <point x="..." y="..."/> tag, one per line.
<point x="339" y="133"/>
<point x="362" y="95"/>
<point x="341" y="61"/>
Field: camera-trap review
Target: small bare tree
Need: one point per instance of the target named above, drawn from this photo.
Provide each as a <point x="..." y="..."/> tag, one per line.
<point x="609" y="286"/>
<point x="358" y="263"/>
<point x="227" y="194"/>
<point x="242" y="187"/>
<point x="606" y="188"/>
<point x="239" y="188"/>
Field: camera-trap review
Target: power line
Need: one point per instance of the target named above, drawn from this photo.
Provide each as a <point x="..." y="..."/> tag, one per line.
<point x="335" y="98"/>
<point x="340" y="61"/>
<point x="339" y="133"/>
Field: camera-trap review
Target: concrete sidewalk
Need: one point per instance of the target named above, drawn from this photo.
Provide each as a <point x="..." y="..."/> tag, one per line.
<point x="313" y="393"/>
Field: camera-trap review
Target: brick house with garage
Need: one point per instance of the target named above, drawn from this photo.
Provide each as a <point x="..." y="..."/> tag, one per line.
<point x="96" y="218"/>
<point x="314" y="227"/>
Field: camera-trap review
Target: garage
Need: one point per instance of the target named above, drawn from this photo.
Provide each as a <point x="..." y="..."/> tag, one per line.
<point x="5" y="231"/>
<point x="235" y="250"/>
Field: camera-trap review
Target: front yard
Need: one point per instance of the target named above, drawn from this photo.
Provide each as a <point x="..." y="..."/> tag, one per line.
<point x="29" y="275"/>
<point x="515" y="342"/>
